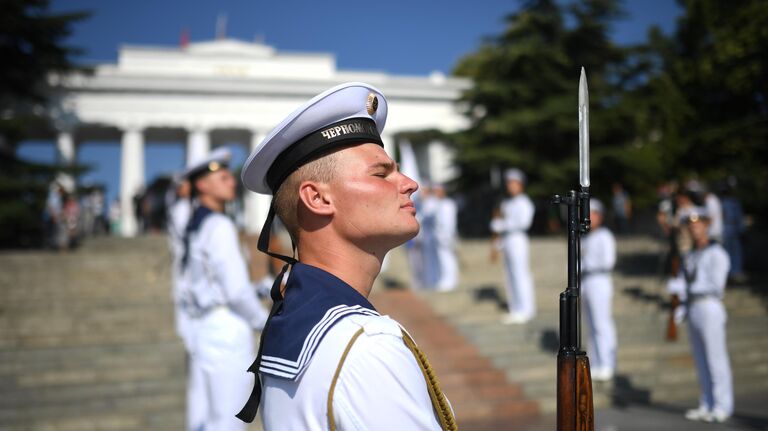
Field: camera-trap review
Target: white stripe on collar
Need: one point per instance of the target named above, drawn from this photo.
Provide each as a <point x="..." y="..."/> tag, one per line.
<point x="286" y="368"/>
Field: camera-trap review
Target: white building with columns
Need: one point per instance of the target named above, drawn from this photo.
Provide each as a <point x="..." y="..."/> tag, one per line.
<point x="220" y="91"/>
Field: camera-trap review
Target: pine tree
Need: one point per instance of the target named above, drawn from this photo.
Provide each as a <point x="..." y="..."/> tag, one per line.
<point x="523" y="105"/>
<point x="715" y="73"/>
<point x="32" y="48"/>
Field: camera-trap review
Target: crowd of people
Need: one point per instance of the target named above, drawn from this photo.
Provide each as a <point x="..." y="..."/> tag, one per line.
<point x="70" y="215"/>
<point x="678" y="199"/>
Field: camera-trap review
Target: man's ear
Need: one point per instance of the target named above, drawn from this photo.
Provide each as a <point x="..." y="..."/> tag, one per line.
<point x="316" y="197"/>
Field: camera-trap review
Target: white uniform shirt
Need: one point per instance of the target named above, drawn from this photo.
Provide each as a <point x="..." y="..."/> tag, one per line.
<point x="445" y="221"/>
<point x="516" y="215"/>
<point x="216" y="274"/>
<point x="381" y="386"/>
<point x="427" y="214"/>
<point x="178" y="217"/>
<point x="715" y="211"/>
<point x="598" y="252"/>
<point x="708" y="270"/>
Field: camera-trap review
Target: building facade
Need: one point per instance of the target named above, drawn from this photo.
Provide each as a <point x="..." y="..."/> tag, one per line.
<point x="209" y="93"/>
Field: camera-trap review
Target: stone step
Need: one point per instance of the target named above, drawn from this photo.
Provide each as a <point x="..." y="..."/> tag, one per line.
<point x="159" y="421"/>
<point x="645" y="349"/>
<point x="76" y="393"/>
<point x="107" y="354"/>
<point x="55" y="378"/>
<point x="160" y="335"/>
<point x="465" y="309"/>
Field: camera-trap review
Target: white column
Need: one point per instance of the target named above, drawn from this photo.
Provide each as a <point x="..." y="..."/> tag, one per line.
<point x="131" y="178"/>
<point x="256" y="205"/>
<point x="198" y="145"/>
<point x="442" y="166"/>
<point x="65" y="145"/>
<point x="389" y="144"/>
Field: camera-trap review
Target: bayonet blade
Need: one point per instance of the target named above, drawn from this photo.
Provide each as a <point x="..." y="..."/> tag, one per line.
<point x="583" y="130"/>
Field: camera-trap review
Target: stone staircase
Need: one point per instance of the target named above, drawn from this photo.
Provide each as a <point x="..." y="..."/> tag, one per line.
<point x="480" y="394"/>
<point x="649" y="368"/>
<point x="87" y="341"/>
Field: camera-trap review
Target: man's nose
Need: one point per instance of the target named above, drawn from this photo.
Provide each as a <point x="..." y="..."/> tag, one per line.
<point x="408" y="185"/>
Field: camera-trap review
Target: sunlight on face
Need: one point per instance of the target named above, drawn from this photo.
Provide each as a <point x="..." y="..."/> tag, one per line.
<point x="596" y="219"/>
<point x="220" y="185"/>
<point x="699" y="231"/>
<point x="373" y="199"/>
<point x="514" y="187"/>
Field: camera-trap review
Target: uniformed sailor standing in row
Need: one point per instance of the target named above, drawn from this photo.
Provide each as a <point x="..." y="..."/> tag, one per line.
<point x="598" y="257"/>
<point x="328" y="360"/>
<point x="438" y="239"/>
<point x="218" y="299"/>
<point x="511" y="224"/>
<point x="179" y="212"/>
<point x="700" y="284"/>
<point x="445" y="238"/>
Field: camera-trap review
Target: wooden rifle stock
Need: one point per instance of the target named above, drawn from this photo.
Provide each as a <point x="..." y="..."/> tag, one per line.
<point x="674" y="301"/>
<point x="575" y="410"/>
<point x="671" y="325"/>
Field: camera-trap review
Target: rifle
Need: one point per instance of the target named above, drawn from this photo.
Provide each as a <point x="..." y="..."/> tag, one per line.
<point x="575" y="410"/>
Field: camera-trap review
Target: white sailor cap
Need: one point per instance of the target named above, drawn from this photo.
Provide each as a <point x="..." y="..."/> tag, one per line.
<point x="212" y="162"/>
<point x="596" y="206"/>
<point x="514" y="174"/>
<point x="696" y="214"/>
<point x="348" y="114"/>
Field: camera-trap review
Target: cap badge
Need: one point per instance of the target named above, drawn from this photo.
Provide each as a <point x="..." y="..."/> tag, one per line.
<point x="214" y="166"/>
<point x="372" y="104"/>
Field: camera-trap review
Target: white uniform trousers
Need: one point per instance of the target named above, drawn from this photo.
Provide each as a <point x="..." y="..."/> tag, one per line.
<point x="597" y="297"/>
<point x="449" y="267"/>
<point x="706" y="323"/>
<point x="430" y="259"/>
<point x="519" y="283"/>
<point x="218" y="387"/>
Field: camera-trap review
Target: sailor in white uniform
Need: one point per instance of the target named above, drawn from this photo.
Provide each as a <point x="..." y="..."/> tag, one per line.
<point x="598" y="257"/>
<point x="218" y="299"/>
<point x="179" y="213"/>
<point x="700" y="285"/>
<point x="427" y="214"/>
<point x="516" y="217"/>
<point x="328" y="360"/>
<point x="445" y="238"/>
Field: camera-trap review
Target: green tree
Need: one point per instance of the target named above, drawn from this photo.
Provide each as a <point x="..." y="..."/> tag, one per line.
<point x="523" y="105"/>
<point x="32" y="46"/>
<point x="713" y="80"/>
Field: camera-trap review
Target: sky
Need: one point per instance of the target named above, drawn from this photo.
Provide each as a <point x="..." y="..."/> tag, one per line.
<point x="400" y="37"/>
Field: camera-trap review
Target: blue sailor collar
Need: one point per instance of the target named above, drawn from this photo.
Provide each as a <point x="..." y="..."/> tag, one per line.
<point x="315" y="300"/>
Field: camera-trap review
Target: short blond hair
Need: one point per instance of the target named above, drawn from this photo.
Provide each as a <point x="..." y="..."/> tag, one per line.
<point x="286" y="200"/>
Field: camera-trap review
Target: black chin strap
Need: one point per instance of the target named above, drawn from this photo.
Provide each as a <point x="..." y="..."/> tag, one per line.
<point x="263" y="244"/>
<point x="248" y="413"/>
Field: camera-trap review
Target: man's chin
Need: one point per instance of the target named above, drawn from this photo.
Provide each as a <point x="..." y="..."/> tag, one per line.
<point x="400" y="238"/>
<point x="408" y="235"/>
